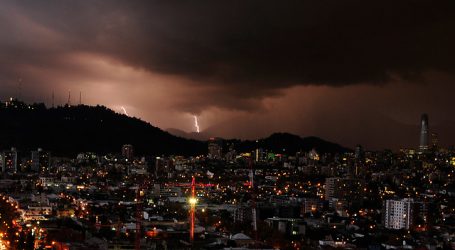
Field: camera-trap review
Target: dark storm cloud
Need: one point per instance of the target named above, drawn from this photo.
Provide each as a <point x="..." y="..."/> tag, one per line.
<point x="228" y="45"/>
<point x="328" y="42"/>
<point x="246" y="68"/>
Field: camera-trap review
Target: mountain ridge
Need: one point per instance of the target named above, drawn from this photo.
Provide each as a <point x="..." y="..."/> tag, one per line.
<point x="276" y="142"/>
<point x="68" y="130"/>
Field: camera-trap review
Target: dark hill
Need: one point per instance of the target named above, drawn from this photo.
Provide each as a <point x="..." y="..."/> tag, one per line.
<point x="69" y="130"/>
<point x="290" y="144"/>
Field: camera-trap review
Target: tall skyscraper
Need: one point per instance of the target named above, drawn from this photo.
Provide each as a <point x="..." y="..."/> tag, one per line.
<point x="424" y="134"/>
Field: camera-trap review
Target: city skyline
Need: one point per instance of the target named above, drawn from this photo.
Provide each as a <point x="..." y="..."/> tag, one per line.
<point x="352" y="73"/>
<point x="233" y="124"/>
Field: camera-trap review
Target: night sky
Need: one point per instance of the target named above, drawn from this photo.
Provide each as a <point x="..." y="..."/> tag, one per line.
<point x="350" y="71"/>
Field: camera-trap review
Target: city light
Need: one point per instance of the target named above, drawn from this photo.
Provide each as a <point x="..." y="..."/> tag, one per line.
<point x="192" y="201"/>
<point x="247" y="193"/>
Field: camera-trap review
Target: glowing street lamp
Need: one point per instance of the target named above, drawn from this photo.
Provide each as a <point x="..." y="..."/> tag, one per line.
<point x="192" y="201"/>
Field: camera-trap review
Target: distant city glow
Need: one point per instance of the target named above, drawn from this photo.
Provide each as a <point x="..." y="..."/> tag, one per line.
<point x="196" y="124"/>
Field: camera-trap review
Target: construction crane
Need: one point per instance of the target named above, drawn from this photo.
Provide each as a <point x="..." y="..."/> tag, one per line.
<point x="189" y="184"/>
<point x="253" y="197"/>
<point x="138" y="218"/>
<point x="118" y="226"/>
<point x="192" y="202"/>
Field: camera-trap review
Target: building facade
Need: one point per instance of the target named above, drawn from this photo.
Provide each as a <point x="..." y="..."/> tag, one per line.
<point x="398" y="213"/>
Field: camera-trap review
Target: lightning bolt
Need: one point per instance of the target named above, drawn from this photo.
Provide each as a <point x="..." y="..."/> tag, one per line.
<point x="124" y="110"/>
<point x="196" y="124"/>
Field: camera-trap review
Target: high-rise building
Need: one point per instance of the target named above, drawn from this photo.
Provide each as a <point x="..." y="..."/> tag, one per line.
<point x="359" y="153"/>
<point x="2" y="162"/>
<point x="128" y="151"/>
<point x="40" y="161"/>
<point x="215" y="148"/>
<point x="330" y="186"/>
<point x="424" y="133"/>
<point x="398" y="213"/>
<point x="231" y="154"/>
<point x="159" y="163"/>
<point x="9" y="161"/>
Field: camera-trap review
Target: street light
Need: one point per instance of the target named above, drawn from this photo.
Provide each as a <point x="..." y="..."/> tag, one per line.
<point x="192" y="201"/>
